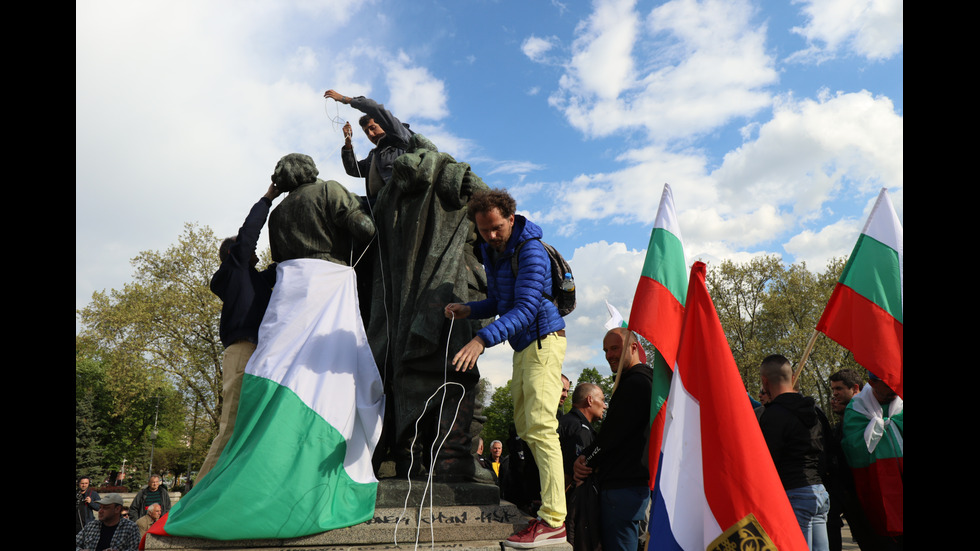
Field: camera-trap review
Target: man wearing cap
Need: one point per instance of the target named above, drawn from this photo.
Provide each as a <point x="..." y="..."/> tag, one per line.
<point x="111" y="532"/>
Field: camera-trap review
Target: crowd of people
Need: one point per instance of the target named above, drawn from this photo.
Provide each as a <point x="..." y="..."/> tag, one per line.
<point x="117" y="528"/>
<point x="588" y="487"/>
<point x="823" y="466"/>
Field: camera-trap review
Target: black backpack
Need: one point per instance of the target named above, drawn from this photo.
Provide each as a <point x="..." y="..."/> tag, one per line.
<point x="564" y="300"/>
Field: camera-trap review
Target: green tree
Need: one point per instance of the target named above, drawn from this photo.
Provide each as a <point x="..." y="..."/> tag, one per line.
<point x="794" y="304"/>
<point x="153" y="342"/>
<point x="592" y="375"/>
<point x="166" y="320"/>
<point x="500" y="417"/>
<point x="739" y="292"/>
<point x="88" y="451"/>
<point x="766" y="307"/>
<point x="115" y="408"/>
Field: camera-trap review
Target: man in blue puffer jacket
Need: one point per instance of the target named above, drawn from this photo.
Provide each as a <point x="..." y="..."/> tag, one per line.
<point x="530" y="322"/>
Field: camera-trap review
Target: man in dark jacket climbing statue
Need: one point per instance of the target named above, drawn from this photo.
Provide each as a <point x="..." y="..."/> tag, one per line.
<point x="389" y="136"/>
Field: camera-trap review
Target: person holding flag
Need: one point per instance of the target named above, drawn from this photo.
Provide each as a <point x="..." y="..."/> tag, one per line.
<point x="866" y="315"/>
<point x="658" y="311"/>
<point x="619" y="454"/>
<point x="866" y="312"/>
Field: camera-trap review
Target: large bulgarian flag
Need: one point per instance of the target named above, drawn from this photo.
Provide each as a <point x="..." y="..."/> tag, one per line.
<point x="717" y="487"/>
<point x="658" y="310"/>
<point x="299" y="460"/>
<point x="865" y="312"/>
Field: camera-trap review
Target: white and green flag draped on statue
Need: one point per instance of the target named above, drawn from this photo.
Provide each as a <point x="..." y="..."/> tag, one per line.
<point x="299" y="461"/>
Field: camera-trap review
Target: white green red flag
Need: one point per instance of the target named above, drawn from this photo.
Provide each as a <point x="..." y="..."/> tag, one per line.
<point x="299" y="460"/>
<point x="615" y="318"/>
<point x="865" y="312"/>
<point x="658" y="311"/>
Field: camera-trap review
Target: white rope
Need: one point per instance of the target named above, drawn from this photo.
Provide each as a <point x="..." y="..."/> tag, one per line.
<point x="433" y="454"/>
<point x="336" y="120"/>
<point x="384" y="286"/>
<point x="339" y="122"/>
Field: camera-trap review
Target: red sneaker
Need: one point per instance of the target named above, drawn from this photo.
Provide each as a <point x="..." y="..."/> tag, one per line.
<point x="536" y="534"/>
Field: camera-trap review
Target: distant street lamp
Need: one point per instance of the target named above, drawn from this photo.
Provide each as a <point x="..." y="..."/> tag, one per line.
<point x="153" y="437"/>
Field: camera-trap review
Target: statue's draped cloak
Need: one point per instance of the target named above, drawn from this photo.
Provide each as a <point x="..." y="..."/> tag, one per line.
<point x="427" y="260"/>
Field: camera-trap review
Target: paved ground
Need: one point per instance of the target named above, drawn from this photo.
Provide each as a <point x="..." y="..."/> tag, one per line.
<point x="848" y="543"/>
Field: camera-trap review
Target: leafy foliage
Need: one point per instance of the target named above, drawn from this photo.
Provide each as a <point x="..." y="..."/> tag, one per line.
<point x="484" y="391"/>
<point x="767" y="307"/>
<point x="167" y="319"/>
<point x="88" y="452"/>
<point x="592" y="375"/>
<point x="115" y="410"/>
<point x="150" y="353"/>
<point x="500" y="417"/>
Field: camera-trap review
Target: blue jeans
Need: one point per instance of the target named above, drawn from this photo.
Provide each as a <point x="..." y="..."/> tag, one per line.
<point x="811" y="505"/>
<point x="621" y="512"/>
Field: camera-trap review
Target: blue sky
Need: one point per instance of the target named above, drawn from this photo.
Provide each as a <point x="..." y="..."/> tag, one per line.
<point x="775" y="123"/>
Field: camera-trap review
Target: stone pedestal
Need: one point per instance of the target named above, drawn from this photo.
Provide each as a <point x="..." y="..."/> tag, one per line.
<point x="455" y="522"/>
<point x="392" y="493"/>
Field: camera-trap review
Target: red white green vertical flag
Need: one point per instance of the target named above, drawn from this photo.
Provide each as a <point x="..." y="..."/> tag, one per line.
<point x="658" y="311"/>
<point x="865" y="313"/>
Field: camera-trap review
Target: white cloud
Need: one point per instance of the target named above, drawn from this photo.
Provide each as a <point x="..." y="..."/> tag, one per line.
<point x="179" y="119"/>
<point x="696" y="66"/>
<point x="497" y="364"/>
<point x="870" y="28"/>
<point x="562" y="8"/>
<point x="445" y="140"/>
<point x="602" y="64"/>
<point x="633" y="193"/>
<point x="810" y="149"/>
<point x="419" y="94"/>
<point x="813" y="155"/>
<point x="331" y="12"/>
<point x="536" y="48"/>
<point x="303" y="60"/>
<point x="514" y="167"/>
<point x="816" y="248"/>
<point x="717" y="230"/>
<point x="603" y="271"/>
